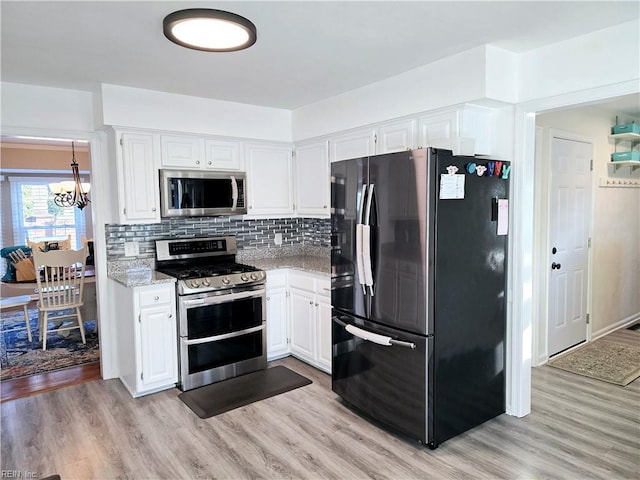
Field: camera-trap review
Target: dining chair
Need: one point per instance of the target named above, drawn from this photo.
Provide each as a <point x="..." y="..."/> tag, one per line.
<point x="60" y="279"/>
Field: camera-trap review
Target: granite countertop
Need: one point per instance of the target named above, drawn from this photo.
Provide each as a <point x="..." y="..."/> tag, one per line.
<point x="137" y="273"/>
<point x="305" y="258"/>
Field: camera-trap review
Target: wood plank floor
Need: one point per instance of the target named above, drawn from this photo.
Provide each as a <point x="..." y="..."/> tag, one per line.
<point x="579" y="428"/>
<point x="49" y="381"/>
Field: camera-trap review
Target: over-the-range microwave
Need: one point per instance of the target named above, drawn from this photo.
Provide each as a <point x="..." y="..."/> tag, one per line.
<point x="201" y="193"/>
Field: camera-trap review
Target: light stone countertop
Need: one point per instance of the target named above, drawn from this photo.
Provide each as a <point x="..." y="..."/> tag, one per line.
<point x="141" y="278"/>
<point x="299" y="257"/>
<point x="137" y="273"/>
<point x="307" y="263"/>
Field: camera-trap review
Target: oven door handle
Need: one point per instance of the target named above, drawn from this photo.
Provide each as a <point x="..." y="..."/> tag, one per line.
<point x="223" y="298"/>
<point x="224" y="336"/>
<point x="234" y="193"/>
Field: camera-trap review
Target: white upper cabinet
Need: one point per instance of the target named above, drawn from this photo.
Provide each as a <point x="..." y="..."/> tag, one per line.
<point x="137" y="174"/>
<point x="355" y="144"/>
<point x="396" y="137"/>
<point x="180" y="151"/>
<point x="222" y="155"/>
<point x="312" y="179"/>
<point x="435" y="127"/>
<point x="269" y="179"/>
<point x="193" y="152"/>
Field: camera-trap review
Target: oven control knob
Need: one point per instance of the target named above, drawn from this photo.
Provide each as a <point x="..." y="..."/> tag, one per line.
<point x="254" y="276"/>
<point x="244" y="277"/>
<point x="226" y="280"/>
<point x="206" y="282"/>
<point x="195" y="284"/>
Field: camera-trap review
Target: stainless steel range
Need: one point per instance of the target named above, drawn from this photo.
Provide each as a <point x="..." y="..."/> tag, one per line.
<point x="221" y="309"/>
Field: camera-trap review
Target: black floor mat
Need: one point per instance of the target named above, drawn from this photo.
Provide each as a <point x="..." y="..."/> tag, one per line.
<point x="635" y="326"/>
<point x="237" y="392"/>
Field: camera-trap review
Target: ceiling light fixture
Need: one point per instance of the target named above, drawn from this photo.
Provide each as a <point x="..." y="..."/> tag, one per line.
<point x="209" y="30"/>
<point x="71" y="193"/>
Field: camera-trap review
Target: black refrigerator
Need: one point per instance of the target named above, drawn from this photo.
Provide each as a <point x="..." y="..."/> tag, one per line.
<point x="419" y="251"/>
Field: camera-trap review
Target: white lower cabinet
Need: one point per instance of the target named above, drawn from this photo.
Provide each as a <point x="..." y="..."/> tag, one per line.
<point x="147" y="337"/>
<point x="310" y="316"/>
<point x="299" y="317"/>
<point x="277" y="336"/>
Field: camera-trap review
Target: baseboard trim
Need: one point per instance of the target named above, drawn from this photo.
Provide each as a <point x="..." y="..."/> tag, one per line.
<point x="625" y="322"/>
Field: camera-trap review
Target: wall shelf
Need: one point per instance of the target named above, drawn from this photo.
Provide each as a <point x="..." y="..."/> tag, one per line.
<point x="629" y="137"/>
<point x="632" y="164"/>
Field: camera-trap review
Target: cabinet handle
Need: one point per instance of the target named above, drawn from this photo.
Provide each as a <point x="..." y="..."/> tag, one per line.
<point x="268" y="298"/>
<point x="317" y="304"/>
<point x="171" y="315"/>
<point x="153" y="209"/>
<point x="197" y="162"/>
<point x="210" y="162"/>
<point x="156" y="298"/>
<point x="311" y="302"/>
<point x="324" y="206"/>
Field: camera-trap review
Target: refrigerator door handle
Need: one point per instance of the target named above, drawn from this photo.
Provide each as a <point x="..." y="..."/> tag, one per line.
<point x="366" y="243"/>
<point x="359" y="228"/>
<point x="376" y="338"/>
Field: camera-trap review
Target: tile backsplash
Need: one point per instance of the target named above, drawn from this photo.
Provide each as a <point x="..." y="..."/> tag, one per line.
<point x="250" y="234"/>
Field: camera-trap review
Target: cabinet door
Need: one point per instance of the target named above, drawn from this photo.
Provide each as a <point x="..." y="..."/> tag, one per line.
<point x="438" y="126"/>
<point x="138" y="179"/>
<point x="303" y="324"/>
<point x="180" y="151"/>
<point x="395" y="137"/>
<point x="312" y="179"/>
<point x="277" y="323"/>
<point x="158" y="347"/>
<point x="222" y="155"/>
<point x="356" y="144"/>
<point x="323" y="310"/>
<point x="269" y="180"/>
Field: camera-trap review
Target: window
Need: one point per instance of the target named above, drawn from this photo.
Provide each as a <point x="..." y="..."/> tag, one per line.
<point x="36" y="216"/>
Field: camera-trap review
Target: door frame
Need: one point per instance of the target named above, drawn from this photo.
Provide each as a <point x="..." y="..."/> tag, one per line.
<point x="100" y="214"/>
<point x="524" y="244"/>
<point x="545" y="202"/>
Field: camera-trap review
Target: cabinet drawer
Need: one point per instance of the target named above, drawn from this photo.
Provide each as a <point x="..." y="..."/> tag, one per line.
<point x="303" y="282"/>
<point x="154" y="297"/>
<point x="323" y="286"/>
<point x="276" y="278"/>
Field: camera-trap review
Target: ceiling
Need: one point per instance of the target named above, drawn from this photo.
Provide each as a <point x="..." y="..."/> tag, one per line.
<point x="306" y="50"/>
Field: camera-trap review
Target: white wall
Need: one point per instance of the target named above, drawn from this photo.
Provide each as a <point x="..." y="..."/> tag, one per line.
<point x="458" y="79"/>
<point x="45" y="107"/>
<point x="616" y="221"/>
<point x="135" y="107"/>
<point x="604" y="57"/>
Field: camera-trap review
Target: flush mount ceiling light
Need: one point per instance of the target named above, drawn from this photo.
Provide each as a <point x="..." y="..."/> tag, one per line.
<point x="209" y="30"/>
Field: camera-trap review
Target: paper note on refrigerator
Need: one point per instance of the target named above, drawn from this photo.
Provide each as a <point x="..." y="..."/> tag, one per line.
<point x="503" y="216"/>
<point x="451" y="186"/>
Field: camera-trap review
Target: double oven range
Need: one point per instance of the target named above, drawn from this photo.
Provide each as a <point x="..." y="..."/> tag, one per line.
<point x="221" y="309"/>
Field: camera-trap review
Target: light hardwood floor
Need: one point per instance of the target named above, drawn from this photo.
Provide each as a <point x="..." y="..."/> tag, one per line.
<point x="579" y="428"/>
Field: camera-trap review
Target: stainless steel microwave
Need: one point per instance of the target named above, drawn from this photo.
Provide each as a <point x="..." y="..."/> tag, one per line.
<point x="201" y="193"/>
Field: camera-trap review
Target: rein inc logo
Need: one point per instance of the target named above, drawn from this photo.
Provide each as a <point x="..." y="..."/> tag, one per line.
<point x="18" y="474"/>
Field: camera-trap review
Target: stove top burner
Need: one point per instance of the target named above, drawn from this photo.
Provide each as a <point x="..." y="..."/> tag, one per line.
<point x="191" y="272"/>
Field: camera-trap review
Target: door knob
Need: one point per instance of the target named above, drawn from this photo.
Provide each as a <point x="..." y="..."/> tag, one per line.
<point x="555" y="266"/>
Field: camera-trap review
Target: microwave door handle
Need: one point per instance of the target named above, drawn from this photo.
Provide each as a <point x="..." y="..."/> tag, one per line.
<point x="234" y="193"/>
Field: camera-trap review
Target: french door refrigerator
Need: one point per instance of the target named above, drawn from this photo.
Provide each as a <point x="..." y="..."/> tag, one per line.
<point x="419" y="249"/>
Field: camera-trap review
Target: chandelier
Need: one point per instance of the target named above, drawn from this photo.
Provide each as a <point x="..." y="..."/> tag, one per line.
<point x="71" y="193"/>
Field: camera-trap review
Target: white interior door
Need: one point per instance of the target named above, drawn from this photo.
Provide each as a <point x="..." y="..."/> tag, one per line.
<point x="570" y="213"/>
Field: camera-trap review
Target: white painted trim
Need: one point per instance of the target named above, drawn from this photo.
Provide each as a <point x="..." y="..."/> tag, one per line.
<point x="100" y="200"/>
<point x="625" y="322"/>
<point x="520" y="307"/>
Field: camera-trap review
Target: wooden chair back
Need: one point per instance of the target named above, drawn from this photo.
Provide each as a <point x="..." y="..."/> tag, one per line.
<point x="60" y="278"/>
